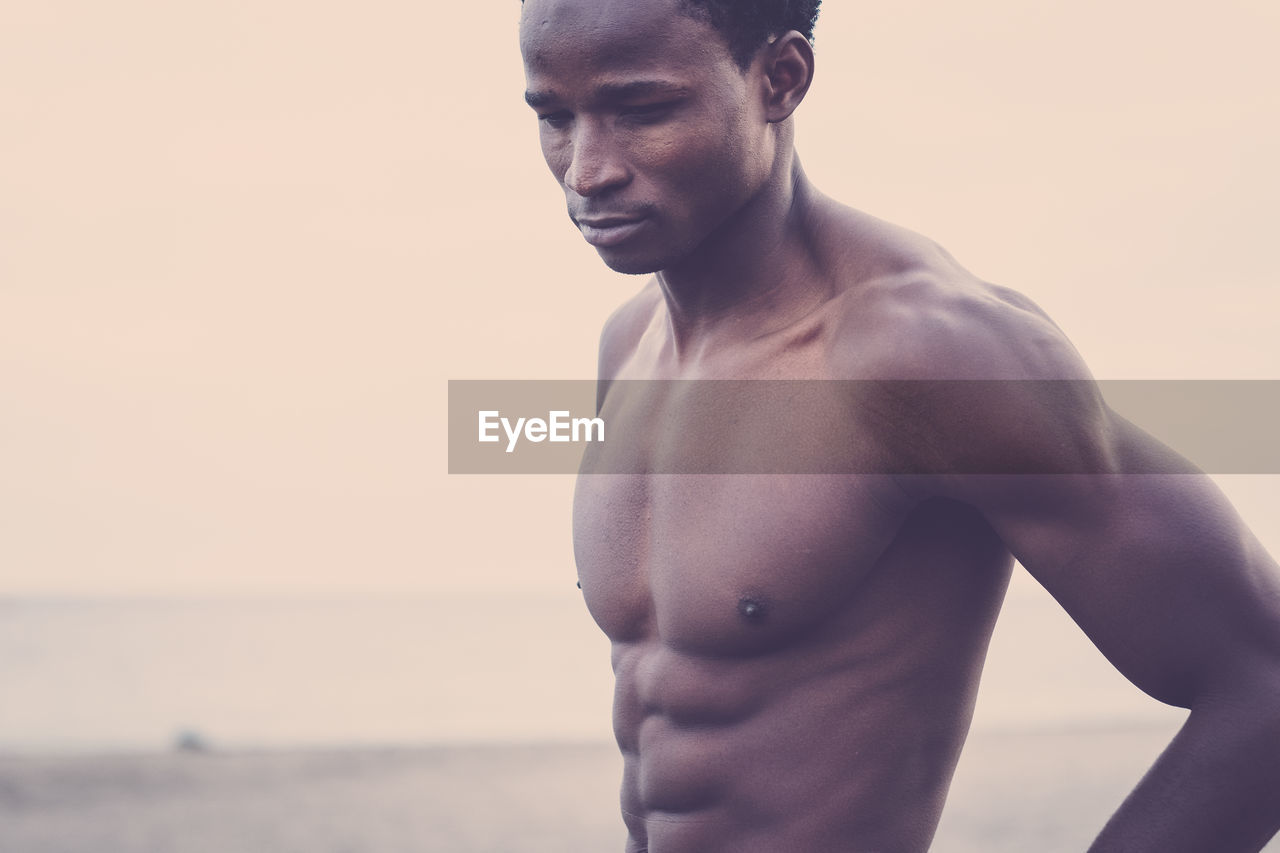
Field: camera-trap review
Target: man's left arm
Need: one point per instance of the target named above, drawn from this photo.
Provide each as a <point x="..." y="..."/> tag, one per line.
<point x="1153" y="563"/>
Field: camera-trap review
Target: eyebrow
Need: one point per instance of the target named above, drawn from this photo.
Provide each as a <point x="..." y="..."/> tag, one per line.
<point x="614" y="92"/>
<point x="539" y="99"/>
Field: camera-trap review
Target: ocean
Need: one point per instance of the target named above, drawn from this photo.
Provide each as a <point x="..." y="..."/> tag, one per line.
<point x="137" y="673"/>
<point x="83" y="674"/>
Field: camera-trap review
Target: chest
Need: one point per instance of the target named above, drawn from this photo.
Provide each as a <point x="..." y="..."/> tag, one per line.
<point x="725" y="564"/>
<point x="727" y="515"/>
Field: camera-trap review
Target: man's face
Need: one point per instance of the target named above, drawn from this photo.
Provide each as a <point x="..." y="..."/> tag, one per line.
<point x="654" y="132"/>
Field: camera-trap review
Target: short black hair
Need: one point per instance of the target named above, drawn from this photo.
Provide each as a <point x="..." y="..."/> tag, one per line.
<point x="747" y="24"/>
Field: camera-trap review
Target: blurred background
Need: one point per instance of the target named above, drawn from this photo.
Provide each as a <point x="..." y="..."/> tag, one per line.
<point x="243" y="247"/>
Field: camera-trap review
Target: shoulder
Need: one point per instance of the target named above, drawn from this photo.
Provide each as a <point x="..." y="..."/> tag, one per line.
<point x="970" y="376"/>
<point x="623" y="330"/>
<point x="916" y="313"/>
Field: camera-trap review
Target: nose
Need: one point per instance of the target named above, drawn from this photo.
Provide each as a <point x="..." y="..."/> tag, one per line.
<point x="596" y="164"/>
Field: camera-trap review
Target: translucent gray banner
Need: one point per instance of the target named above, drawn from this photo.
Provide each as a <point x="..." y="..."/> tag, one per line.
<point x="862" y="426"/>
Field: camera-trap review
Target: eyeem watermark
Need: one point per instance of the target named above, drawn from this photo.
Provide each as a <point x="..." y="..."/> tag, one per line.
<point x="825" y="426"/>
<point x="559" y="426"/>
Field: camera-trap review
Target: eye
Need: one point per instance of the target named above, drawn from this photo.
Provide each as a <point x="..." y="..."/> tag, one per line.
<point x="556" y="121"/>
<point x="647" y="113"/>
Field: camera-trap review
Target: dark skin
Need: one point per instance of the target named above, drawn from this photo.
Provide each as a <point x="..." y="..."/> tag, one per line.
<point x="797" y="656"/>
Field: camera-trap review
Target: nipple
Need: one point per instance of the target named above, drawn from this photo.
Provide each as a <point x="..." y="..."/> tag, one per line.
<point x="751" y="609"/>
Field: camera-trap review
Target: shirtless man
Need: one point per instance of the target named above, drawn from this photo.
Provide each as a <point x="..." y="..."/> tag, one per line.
<point x="797" y="656"/>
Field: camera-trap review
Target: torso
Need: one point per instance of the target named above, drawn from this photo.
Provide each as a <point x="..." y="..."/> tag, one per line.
<point x="798" y="684"/>
<point x="797" y="655"/>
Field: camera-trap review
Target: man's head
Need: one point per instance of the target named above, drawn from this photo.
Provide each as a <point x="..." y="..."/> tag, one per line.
<point x="663" y="118"/>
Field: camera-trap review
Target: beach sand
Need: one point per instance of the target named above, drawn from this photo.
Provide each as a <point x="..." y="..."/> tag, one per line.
<point x="1014" y="793"/>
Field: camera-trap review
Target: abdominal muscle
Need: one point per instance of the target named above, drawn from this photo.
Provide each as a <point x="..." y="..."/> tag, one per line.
<point x="837" y="761"/>
<point x="840" y="735"/>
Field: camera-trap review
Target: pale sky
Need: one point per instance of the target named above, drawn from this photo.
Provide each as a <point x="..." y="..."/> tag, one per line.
<point x="244" y="245"/>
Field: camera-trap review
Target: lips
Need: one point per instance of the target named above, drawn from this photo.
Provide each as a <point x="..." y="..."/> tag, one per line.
<point x="609" y="230"/>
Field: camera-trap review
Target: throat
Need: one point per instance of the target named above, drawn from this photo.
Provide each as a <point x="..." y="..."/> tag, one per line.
<point x="758" y="272"/>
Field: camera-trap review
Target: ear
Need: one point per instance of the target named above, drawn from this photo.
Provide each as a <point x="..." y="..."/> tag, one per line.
<point x="787" y="73"/>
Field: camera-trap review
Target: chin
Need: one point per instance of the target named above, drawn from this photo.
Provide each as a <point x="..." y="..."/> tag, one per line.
<point x="629" y="264"/>
<point x="642" y="259"/>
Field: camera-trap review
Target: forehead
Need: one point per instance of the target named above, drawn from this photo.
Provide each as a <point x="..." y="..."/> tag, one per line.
<point x="596" y="36"/>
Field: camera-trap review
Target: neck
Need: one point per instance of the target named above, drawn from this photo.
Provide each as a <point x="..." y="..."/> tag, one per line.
<point x="755" y="274"/>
